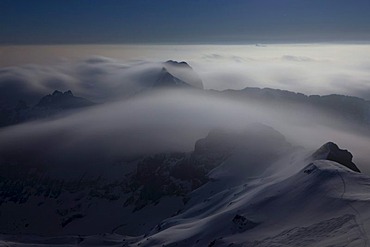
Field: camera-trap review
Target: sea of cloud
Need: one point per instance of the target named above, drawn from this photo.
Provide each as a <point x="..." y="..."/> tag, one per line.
<point x="306" y="68"/>
<point x="172" y="120"/>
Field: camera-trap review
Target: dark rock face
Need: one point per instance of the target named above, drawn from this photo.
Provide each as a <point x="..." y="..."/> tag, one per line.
<point x="254" y="137"/>
<point x="217" y="143"/>
<point x="177" y="174"/>
<point x="349" y="108"/>
<point x="184" y="72"/>
<point x="167" y="80"/>
<point x="243" y="224"/>
<point x="66" y="100"/>
<point x="13" y="115"/>
<point x="331" y="151"/>
<point x="49" y="105"/>
<point x="178" y="64"/>
<point x="173" y="174"/>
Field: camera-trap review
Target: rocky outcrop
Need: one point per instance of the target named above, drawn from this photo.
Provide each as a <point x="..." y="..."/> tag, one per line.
<point x="66" y="100"/>
<point x="184" y="72"/>
<point x="49" y="105"/>
<point x="350" y="108"/>
<point x="331" y="151"/>
<point x="242" y="223"/>
<point x="167" y="80"/>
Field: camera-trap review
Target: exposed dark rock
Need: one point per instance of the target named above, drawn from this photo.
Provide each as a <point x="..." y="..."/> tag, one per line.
<point x="178" y="64"/>
<point x="351" y="108"/>
<point x="331" y="151"/>
<point x="161" y="175"/>
<point x="219" y="142"/>
<point x="49" y="105"/>
<point x="66" y="100"/>
<point x="21" y="105"/>
<point x="72" y="218"/>
<point x="243" y="224"/>
<point x="166" y="79"/>
<point x="184" y="72"/>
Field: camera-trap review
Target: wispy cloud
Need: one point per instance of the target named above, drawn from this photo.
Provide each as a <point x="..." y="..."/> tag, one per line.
<point x="172" y="120"/>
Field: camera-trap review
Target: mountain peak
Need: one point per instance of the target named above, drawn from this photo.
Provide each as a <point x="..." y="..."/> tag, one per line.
<point x="62" y="100"/>
<point x="179" y="64"/>
<point x="331" y="151"/>
<point x="184" y="72"/>
<point x="59" y="93"/>
<point x="166" y="79"/>
<point x="69" y="92"/>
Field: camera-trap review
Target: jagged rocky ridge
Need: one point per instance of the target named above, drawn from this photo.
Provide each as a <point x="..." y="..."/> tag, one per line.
<point x="167" y="80"/>
<point x="170" y="75"/>
<point x="173" y="74"/>
<point x="60" y="100"/>
<point x="48" y="106"/>
<point x="350" y="108"/>
<point x="184" y="72"/>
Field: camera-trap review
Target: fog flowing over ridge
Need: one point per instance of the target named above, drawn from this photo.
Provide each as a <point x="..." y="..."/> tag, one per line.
<point x="240" y="145"/>
<point x="307" y="68"/>
<point x="135" y="117"/>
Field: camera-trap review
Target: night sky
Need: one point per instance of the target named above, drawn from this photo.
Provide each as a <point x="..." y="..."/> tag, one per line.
<point x="183" y="21"/>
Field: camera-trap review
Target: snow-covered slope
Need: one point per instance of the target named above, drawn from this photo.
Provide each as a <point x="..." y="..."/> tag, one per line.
<point x="322" y="204"/>
<point x="129" y="197"/>
<point x="234" y="189"/>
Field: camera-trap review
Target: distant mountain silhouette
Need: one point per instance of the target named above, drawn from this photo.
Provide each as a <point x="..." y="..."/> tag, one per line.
<point x="49" y="105"/>
<point x="167" y="80"/>
<point x="350" y="108"/>
<point x="184" y="72"/>
<point x="66" y="100"/>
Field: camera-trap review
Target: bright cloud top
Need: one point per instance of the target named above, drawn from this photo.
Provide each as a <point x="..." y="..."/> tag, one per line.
<point x="310" y="69"/>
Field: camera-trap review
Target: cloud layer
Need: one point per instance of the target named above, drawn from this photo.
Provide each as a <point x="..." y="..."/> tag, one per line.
<point x="164" y="121"/>
<point x="310" y="69"/>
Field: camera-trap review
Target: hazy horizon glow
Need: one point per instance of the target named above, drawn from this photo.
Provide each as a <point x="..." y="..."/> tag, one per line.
<point x="306" y="68"/>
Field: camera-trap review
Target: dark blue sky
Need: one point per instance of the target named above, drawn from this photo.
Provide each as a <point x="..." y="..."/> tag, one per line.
<point x="183" y="21"/>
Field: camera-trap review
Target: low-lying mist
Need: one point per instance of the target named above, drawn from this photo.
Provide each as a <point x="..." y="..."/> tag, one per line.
<point x="166" y="121"/>
<point x="131" y="120"/>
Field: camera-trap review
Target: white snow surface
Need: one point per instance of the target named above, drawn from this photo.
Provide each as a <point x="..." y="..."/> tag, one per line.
<point x="309" y="203"/>
<point x="323" y="204"/>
